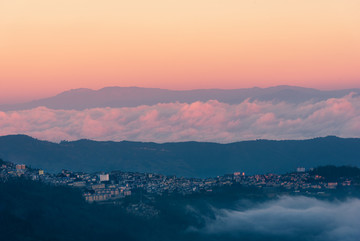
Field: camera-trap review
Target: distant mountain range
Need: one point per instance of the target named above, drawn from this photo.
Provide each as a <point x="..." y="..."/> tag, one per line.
<point x="79" y="99"/>
<point x="191" y="159"/>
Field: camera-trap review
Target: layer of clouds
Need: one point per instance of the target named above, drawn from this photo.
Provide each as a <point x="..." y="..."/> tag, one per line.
<point x="200" y="121"/>
<point x="290" y="218"/>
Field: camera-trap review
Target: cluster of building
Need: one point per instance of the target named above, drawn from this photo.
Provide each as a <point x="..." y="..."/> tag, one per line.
<point x="105" y="187"/>
<point x="10" y="170"/>
<point x="297" y="181"/>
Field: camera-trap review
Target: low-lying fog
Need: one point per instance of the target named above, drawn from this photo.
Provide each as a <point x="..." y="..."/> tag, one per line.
<point x="288" y="218"/>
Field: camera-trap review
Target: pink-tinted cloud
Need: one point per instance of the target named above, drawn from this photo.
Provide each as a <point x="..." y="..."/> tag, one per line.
<point x="200" y="121"/>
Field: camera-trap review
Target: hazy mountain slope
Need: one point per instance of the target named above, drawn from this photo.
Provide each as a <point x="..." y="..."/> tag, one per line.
<point x="187" y="158"/>
<point x="80" y="99"/>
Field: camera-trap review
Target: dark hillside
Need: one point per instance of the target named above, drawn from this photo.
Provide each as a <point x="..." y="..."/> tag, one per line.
<point x="184" y="158"/>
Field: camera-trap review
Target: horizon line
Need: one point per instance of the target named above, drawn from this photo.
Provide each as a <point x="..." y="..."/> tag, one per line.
<point x="176" y="142"/>
<point x="169" y="89"/>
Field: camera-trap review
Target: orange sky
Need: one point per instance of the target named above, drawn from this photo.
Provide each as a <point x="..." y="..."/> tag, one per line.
<point x="50" y="46"/>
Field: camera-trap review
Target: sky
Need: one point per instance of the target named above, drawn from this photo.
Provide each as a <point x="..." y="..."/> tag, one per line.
<point x="47" y="47"/>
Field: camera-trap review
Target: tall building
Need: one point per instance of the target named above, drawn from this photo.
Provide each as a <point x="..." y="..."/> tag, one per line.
<point x="20" y="167"/>
<point x="104" y="177"/>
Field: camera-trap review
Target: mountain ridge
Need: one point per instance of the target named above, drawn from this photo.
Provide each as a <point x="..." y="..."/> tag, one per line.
<point x="117" y="97"/>
<point x="190" y="159"/>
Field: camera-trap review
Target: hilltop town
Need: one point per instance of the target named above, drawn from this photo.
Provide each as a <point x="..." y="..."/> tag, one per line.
<point x="113" y="186"/>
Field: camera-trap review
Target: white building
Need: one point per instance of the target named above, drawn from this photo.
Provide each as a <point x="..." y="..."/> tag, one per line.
<point x="300" y="169"/>
<point x="104" y="177"/>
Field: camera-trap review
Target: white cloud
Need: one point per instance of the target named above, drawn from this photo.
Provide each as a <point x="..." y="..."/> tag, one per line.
<point x="290" y="218"/>
<point x="199" y="121"/>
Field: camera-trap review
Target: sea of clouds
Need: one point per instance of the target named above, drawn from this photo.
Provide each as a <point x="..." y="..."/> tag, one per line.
<point x="288" y="218"/>
<point x="199" y="121"/>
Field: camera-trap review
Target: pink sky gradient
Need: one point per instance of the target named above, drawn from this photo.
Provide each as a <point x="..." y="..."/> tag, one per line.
<point x="50" y="46"/>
